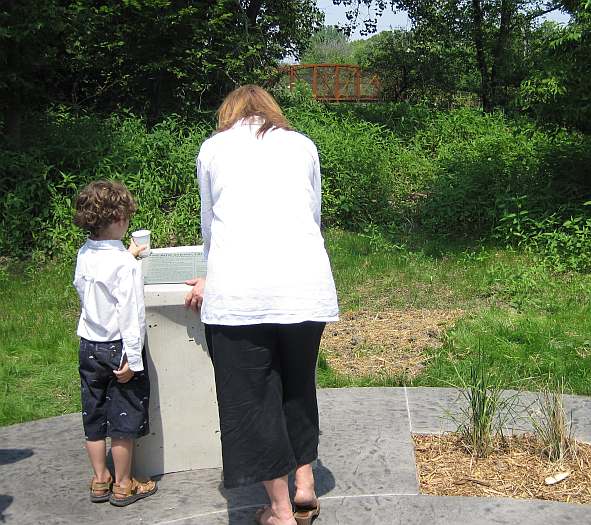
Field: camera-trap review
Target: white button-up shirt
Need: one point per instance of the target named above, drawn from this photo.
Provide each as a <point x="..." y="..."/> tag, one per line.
<point x="110" y="285"/>
<point x="260" y="220"/>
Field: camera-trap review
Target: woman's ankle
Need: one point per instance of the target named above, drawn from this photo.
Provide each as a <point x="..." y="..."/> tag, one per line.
<point x="283" y="514"/>
<point x="305" y="492"/>
<point x="272" y="516"/>
<point x="305" y="498"/>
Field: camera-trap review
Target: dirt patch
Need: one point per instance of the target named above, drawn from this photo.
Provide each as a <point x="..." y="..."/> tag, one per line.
<point x="389" y="343"/>
<point x="516" y="470"/>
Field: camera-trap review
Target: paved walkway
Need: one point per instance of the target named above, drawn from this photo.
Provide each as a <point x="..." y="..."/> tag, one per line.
<point x="365" y="474"/>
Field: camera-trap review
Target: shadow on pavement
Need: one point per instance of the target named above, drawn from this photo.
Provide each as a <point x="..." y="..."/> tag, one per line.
<point x="5" y="502"/>
<point x="12" y="455"/>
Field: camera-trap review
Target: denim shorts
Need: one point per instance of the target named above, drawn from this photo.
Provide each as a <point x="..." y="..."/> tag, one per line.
<point x="111" y="409"/>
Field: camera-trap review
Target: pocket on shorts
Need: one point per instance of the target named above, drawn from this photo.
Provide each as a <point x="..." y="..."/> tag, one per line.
<point x="109" y="354"/>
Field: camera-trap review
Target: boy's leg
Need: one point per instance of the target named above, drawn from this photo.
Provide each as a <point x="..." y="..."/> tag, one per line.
<point x="122" y="452"/>
<point x="128" y="418"/>
<point x="94" y="377"/>
<point x="97" y="451"/>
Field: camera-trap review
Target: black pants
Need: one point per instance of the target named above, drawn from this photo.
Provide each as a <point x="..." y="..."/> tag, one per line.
<point x="266" y="389"/>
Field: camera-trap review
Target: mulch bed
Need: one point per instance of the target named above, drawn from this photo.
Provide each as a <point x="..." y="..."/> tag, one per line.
<point x="516" y="470"/>
<point x="386" y="343"/>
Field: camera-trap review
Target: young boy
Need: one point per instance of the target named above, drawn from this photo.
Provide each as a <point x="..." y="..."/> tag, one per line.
<point x="115" y="387"/>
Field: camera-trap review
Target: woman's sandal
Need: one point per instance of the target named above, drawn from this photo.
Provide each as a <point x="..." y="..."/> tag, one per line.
<point x="306" y="514"/>
<point x="104" y="487"/>
<point x="123" y="496"/>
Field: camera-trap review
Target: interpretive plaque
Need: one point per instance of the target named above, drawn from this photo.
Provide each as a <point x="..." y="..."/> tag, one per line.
<point x="173" y="265"/>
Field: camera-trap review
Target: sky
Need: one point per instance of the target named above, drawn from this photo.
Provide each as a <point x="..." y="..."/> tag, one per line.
<point x="335" y="14"/>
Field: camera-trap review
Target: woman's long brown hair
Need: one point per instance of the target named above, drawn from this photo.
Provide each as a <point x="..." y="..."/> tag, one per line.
<point x="251" y="101"/>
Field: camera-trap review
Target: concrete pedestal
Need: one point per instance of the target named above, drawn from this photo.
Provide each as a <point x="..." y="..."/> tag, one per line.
<point x="184" y="424"/>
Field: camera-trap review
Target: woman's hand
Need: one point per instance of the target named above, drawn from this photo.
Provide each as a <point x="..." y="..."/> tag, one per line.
<point x="135" y="250"/>
<point x="194" y="298"/>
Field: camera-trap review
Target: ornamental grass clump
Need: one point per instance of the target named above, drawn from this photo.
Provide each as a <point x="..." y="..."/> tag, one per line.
<point x="552" y="427"/>
<point x="486" y="408"/>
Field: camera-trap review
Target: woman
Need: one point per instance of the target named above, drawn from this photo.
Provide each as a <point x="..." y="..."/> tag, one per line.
<point x="268" y="293"/>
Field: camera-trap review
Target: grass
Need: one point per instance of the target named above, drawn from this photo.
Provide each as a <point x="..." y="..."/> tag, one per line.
<point x="532" y="325"/>
<point x="38" y="359"/>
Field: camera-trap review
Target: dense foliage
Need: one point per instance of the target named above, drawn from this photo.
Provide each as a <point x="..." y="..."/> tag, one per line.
<point x="502" y="51"/>
<point x="151" y="56"/>
<point x="396" y="169"/>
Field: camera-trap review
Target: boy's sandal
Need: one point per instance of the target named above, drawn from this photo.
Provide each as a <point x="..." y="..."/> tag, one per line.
<point x="123" y="496"/>
<point x="100" y="491"/>
<point x="306" y="514"/>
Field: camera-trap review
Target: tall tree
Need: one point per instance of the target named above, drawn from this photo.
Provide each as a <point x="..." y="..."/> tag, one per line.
<point x="558" y="88"/>
<point x="170" y="55"/>
<point x="153" y="56"/>
<point x="31" y="44"/>
<point x="417" y="65"/>
<point x="488" y="26"/>
<point x="329" y="45"/>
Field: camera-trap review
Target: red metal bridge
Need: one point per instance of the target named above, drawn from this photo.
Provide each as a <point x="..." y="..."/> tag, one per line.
<point x="335" y="82"/>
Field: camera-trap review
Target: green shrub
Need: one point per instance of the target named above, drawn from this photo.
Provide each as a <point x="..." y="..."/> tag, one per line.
<point x="465" y="174"/>
<point x="355" y="158"/>
<point x="156" y="164"/>
<point x="388" y="169"/>
<point x="563" y="244"/>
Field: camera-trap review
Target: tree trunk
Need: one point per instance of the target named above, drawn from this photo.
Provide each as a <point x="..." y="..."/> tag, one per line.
<point x="478" y="35"/>
<point x="12" y="123"/>
<point x="500" y="51"/>
<point x="252" y="11"/>
<point x="14" y="110"/>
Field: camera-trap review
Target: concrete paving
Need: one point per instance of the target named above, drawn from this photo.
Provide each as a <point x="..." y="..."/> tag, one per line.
<point x="365" y="473"/>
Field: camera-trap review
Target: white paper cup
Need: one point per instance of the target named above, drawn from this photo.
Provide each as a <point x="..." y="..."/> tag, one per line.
<point x="142" y="237"/>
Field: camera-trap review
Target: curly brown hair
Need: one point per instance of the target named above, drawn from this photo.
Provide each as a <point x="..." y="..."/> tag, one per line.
<point x="102" y="203"/>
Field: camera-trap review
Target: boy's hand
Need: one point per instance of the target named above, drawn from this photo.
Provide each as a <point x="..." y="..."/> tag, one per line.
<point x="194" y="298"/>
<point x="124" y="374"/>
<point x="134" y="249"/>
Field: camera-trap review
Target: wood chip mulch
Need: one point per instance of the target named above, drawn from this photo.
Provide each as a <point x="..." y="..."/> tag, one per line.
<point x="385" y="343"/>
<point x="516" y="470"/>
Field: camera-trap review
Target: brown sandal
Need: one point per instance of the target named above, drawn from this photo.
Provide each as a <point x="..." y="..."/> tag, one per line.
<point x="105" y="489"/>
<point x="123" y="496"/>
<point x="306" y="514"/>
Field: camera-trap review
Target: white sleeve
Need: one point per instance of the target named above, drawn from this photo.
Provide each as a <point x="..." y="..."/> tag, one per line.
<point x="129" y="317"/>
<point x="317" y="186"/>
<point x="79" y="282"/>
<point x="206" y="205"/>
